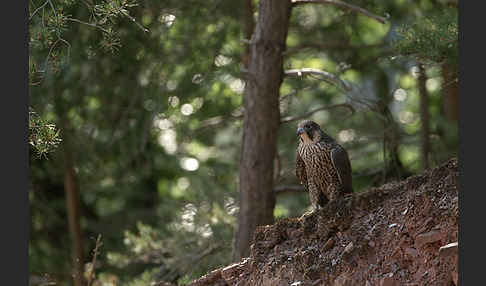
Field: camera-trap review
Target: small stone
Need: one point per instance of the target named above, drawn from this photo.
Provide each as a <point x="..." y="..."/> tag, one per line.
<point x="343" y="280"/>
<point x="296" y="283"/>
<point x="428" y="237"/>
<point x="349" y="247"/>
<point x="432" y="273"/>
<point x="371" y="243"/>
<point x="411" y="252"/>
<point x="454" y="277"/>
<point x="388" y="281"/>
<point x="328" y="245"/>
<point x="448" y="249"/>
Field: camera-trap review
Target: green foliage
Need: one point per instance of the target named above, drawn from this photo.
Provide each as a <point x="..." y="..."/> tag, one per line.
<point x="44" y="137"/>
<point x="431" y="37"/>
<point x="49" y="21"/>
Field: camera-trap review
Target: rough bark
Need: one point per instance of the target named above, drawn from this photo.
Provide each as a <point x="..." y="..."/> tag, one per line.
<point x="248" y="28"/>
<point x="450" y="92"/>
<point x="424" y="118"/>
<point x="261" y="122"/>
<point x="72" y="206"/>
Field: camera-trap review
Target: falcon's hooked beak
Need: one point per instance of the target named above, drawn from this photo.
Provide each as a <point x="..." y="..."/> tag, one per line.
<point x="300" y="130"/>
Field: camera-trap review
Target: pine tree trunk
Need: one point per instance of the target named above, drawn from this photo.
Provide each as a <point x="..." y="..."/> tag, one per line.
<point x="72" y="206"/>
<point x="248" y="28"/>
<point x="261" y="122"/>
<point x="450" y="92"/>
<point x="71" y="188"/>
<point x="424" y="118"/>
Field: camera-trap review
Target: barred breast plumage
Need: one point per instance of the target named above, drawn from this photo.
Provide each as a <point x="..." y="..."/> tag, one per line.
<point x="322" y="165"/>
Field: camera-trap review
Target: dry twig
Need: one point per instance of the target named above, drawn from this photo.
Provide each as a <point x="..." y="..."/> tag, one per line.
<point x="93" y="262"/>
<point x="305" y="115"/>
<point x="343" y="5"/>
<point x="319" y="74"/>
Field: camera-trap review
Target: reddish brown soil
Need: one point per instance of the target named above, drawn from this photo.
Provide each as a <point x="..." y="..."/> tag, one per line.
<point x="389" y="235"/>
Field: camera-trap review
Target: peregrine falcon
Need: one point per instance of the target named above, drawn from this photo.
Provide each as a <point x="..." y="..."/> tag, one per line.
<point x="322" y="165"/>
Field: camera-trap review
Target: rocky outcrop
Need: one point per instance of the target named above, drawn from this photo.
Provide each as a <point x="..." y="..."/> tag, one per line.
<point x="402" y="233"/>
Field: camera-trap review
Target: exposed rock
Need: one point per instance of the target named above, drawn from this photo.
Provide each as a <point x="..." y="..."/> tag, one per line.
<point x="309" y="250"/>
<point x="232" y="272"/>
<point x="212" y="278"/>
<point x="454" y="277"/>
<point x="349" y="247"/>
<point x="428" y="237"/>
<point x="343" y="280"/>
<point x="328" y="245"/>
<point x="411" y="252"/>
<point x="388" y="281"/>
<point x="449" y="249"/>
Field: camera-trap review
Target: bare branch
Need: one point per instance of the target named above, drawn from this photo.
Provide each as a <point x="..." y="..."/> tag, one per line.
<point x="59" y="39"/>
<point x="36" y="10"/>
<point x="289" y="189"/>
<point x="342" y="5"/>
<point x="145" y="30"/>
<point x="93" y="262"/>
<point x="328" y="46"/>
<point x="88" y="24"/>
<point x="322" y="75"/>
<point x="303" y="116"/>
<point x="292" y="93"/>
<point x="58" y="30"/>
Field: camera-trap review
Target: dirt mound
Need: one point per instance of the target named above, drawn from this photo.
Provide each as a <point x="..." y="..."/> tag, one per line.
<point x="402" y="233"/>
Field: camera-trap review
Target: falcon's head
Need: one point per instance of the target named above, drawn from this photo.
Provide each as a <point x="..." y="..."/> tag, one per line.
<point x="309" y="132"/>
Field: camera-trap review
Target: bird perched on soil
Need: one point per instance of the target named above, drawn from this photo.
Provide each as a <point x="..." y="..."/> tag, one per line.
<point x="322" y="165"/>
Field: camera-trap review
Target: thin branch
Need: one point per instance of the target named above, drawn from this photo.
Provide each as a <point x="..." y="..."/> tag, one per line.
<point x="145" y="30"/>
<point x="58" y="30"/>
<point x="306" y="115"/>
<point x="36" y="10"/>
<point x="49" y="54"/>
<point x="343" y="5"/>
<point x="93" y="262"/>
<point x="328" y="46"/>
<point x="68" y="47"/>
<point x="88" y="24"/>
<point x="59" y="39"/>
<point x="322" y="75"/>
<point x="292" y="93"/>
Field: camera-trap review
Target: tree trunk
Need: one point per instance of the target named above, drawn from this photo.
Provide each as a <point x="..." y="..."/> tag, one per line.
<point x="424" y="118"/>
<point x="72" y="206"/>
<point x="71" y="187"/>
<point x="450" y="92"/>
<point x="248" y="28"/>
<point x="393" y="167"/>
<point x="261" y="122"/>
